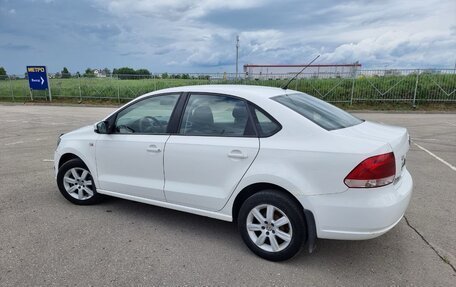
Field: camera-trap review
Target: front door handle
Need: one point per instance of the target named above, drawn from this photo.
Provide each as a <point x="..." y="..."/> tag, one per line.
<point x="153" y="148"/>
<point x="237" y="154"/>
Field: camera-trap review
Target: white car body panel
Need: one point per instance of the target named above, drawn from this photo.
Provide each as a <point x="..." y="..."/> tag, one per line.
<point x="200" y="172"/>
<point x="131" y="164"/>
<point x="79" y="142"/>
<point x="295" y="159"/>
<point x="302" y="158"/>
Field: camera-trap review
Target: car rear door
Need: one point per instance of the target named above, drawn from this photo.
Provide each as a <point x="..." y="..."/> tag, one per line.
<point x="130" y="159"/>
<point x="214" y="146"/>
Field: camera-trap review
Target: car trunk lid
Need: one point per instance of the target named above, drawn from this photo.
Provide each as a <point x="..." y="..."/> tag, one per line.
<point x="396" y="137"/>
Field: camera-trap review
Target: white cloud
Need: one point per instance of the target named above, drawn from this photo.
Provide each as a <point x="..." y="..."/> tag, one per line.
<point x="375" y="33"/>
<point x="404" y="34"/>
<point x="199" y="36"/>
<point x="174" y="8"/>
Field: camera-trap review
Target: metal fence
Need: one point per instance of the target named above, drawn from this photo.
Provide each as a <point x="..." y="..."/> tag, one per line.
<point x="404" y="85"/>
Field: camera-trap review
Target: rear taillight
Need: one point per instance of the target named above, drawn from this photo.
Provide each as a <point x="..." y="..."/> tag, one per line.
<point x="375" y="171"/>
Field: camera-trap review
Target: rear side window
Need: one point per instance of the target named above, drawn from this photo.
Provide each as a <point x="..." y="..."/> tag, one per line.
<point x="266" y="126"/>
<point x="320" y="112"/>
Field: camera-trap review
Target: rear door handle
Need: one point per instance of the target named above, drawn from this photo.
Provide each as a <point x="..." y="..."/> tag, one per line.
<point x="237" y="154"/>
<point x="153" y="148"/>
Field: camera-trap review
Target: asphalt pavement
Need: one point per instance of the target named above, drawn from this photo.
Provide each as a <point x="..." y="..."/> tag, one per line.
<point x="47" y="241"/>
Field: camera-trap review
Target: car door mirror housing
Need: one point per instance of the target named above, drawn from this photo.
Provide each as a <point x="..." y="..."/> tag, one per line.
<point x="101" y="127"/>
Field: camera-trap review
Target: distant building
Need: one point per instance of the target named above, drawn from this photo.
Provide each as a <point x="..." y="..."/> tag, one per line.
<point x="99" y="73"/>
<point x="255" y="71"/>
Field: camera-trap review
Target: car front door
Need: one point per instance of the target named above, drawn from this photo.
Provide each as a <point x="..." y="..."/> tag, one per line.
<point x="130" y="159"/>
<point x="212" y="150"/>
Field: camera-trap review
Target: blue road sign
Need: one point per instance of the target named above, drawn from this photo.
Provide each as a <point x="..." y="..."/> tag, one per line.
<point x="37" y="77"/>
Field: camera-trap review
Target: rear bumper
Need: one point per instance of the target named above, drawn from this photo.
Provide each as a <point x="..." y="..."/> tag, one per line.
<point x="360" y="213"/>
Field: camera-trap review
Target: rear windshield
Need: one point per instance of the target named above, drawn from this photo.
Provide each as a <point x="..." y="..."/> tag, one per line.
<point x="320" y="112"/>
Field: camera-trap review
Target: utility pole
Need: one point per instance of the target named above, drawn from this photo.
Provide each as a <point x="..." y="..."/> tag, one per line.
<point x="237" y="55"/>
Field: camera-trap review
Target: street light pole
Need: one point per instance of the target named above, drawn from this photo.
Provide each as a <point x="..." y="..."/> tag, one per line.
<point x="237" y="55"/>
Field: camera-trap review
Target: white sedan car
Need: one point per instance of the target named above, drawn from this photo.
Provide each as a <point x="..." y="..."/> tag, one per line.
<point x="287" y="167"/>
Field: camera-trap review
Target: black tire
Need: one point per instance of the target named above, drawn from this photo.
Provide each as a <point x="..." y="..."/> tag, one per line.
<point x="79" y="166"/>
<point x="288" y="207"/>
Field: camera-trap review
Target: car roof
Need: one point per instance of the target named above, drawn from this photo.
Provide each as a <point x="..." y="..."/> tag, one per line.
<point x="248" y="92"/>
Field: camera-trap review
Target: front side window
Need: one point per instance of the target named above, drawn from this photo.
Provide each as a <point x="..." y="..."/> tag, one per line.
<point x="320" y="112"/>
<point x="216" y="115"/>
<point x="148" y="116"/>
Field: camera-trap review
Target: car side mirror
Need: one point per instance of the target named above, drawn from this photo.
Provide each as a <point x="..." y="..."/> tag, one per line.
<point x="101" y="127"/>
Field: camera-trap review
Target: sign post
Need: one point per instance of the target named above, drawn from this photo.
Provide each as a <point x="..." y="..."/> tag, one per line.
<point x="38" y="79"/>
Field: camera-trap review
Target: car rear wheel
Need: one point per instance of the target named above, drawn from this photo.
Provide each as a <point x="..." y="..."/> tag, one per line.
<point x="76" y="184"/>
<point x="272" y="225"/>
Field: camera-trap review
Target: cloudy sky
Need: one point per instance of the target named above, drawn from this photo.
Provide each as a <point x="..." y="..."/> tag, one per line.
<point x="199" y="36"/>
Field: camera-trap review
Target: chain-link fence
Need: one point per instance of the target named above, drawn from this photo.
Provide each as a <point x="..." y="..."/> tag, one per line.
<point x="405" y="85"/>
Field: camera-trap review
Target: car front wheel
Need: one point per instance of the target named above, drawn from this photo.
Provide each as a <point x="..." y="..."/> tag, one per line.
<point x="76" y="184"/>
<point x="272" y="225"/>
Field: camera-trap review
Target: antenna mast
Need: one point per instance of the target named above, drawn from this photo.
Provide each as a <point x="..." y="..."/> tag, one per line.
<point x="294" y="77"/>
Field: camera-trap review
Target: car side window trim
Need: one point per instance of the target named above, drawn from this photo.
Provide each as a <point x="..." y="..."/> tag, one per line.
<point x="177" y="114"/>
<point x="113" y="118"/>
<point x="246" y="102"/>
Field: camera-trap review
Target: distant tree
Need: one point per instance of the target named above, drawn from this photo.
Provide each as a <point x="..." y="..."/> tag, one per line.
<point x="78" y="74"/>
<point x="107" y="71"/>
<point x="164" y="76"/>
<point x="185" y="76"/>
<point x="65" y="73"/>
<point x="56" y="75"/>
<point x="89" y="73"/>
<point x="144" y="72"/>
<point x="2" y="73"/>
<point x="204" y="77"/>
<point x="125" y="73"/>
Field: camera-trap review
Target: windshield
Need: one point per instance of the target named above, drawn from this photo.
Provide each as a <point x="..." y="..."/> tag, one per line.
<point x="320" y="112"/>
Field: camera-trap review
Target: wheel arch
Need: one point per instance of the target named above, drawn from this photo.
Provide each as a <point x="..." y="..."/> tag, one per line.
<point x="250" y="190"/>
<point x="71" y="153"/>
<point x="66" y="157"/>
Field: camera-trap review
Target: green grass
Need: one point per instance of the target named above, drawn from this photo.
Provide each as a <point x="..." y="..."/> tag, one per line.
<point x="90" y="88"/>
<point x="363" y="91"/>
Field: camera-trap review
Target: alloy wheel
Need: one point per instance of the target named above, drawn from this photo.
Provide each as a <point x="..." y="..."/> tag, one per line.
<point x="269" y="228"/>
<point x="78" y="183"/>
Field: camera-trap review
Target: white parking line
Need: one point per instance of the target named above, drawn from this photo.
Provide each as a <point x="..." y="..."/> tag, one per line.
<point x="48" y="160"/>
<point x="421" y="139"/>
<point x="438" y="158"/>
<point x="21" y="142"/>
<point x="13" y="143"/>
